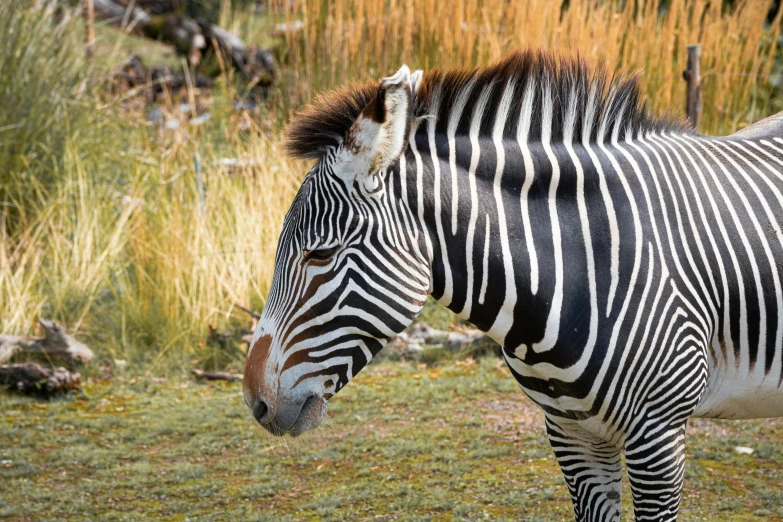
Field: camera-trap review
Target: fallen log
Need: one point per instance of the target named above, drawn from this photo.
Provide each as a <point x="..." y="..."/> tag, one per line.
<point x="55" y="344"/>
<point x="216" y="376"/>
<point x="257" y="66"/>
<point x="153" y="82"/>
<point x="156" y="6"/>
<point x="33" y="379"/>
<point x="129" y="18"/>
<point x="190" y="37"/>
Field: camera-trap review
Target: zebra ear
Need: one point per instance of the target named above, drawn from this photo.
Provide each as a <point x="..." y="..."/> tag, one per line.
<point x="380" y="133"/>
<point x="416" y="81"/>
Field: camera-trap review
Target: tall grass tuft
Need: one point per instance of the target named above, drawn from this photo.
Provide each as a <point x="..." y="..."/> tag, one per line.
<point x="344" y="40"/>
<point x="48" y="103"/>
<point x="190" y="260"/>
<point x="145" y="269"/>
<point x="56" y="262"/>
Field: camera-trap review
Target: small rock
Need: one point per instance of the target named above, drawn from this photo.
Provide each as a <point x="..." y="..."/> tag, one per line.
<point x="458" y="339"/>
<point x="31" y="378"/>
<point x="288" y="29"/>
<point x="245" y="105"/>
<point x="420" y="335"/>
<point x="155" y="115"/>
<point x="201" y="120"/>
<point x="415" y="347"/>
<point x="172" y="124"/>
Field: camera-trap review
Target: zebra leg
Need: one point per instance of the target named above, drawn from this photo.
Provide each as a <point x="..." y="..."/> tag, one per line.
<point x="656" y="464"/>
<point x="591" y="468"/>
<point x="655" y="441"/>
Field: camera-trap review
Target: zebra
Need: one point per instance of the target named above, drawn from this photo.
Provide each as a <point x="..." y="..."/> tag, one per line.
<point x="629" y="267"/>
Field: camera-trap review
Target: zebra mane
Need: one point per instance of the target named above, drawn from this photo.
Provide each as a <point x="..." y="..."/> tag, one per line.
<point x="581" y="104"/>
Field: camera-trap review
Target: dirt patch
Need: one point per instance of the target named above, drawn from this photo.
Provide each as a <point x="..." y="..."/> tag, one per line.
<point x="520" y="414"/>
<point x="729" y="428"/>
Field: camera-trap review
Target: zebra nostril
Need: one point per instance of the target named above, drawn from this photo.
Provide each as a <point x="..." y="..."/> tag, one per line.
<point x="260" y="411"/>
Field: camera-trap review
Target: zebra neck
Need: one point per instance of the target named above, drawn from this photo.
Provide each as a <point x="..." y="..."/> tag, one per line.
<point x="493" y="233"/>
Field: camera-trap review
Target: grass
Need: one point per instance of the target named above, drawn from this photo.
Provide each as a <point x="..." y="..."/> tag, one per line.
<point x="103" y="226"/>
<point x="141" y="267"/>
<point x="47" y="106"/>
<point x="456" y="440"/>
<point x="108" y="232"/>
<point x="345" y="40"/>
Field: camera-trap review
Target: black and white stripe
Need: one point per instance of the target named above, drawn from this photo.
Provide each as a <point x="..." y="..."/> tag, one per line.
<point x="630" y="268"/>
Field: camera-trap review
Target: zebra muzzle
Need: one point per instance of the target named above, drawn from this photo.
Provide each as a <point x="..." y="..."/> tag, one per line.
<point x="279" y="410"/>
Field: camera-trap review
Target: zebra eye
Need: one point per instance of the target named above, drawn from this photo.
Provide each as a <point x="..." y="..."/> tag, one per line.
<point x="320" y="254"/>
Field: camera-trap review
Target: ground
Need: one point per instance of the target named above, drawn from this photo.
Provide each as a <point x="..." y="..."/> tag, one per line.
<point x="457" y="440"/>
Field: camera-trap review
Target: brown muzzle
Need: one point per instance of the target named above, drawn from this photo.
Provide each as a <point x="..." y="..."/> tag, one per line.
<point x="259" y="394"/>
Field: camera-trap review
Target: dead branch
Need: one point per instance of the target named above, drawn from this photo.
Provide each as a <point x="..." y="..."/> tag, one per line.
<point x="253" y="313"/>
<point x="56" y="344"/>
<point x="216" y="376"/>
<point x="32" y="378"/>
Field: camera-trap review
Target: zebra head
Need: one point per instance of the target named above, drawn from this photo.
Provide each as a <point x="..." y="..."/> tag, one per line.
<point x="349" y="272"/>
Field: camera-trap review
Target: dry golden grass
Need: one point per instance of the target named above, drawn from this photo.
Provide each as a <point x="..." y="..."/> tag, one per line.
<point x="102" y="226"/>
<point x="344" y="40"/>
<point x="142" y="269"/>
<point x="112" y="239"/>
<point x="191" y="261"/>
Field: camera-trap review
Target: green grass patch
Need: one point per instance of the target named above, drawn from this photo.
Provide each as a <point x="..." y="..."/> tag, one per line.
<point x="457" y="441"/>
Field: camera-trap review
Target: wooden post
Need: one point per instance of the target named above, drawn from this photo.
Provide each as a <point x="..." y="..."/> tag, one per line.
<point x="692" y="75"/>
<point x="88" y="11"/>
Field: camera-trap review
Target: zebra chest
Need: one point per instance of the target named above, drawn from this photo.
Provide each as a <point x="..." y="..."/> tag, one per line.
<point x="562" y="376"/>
